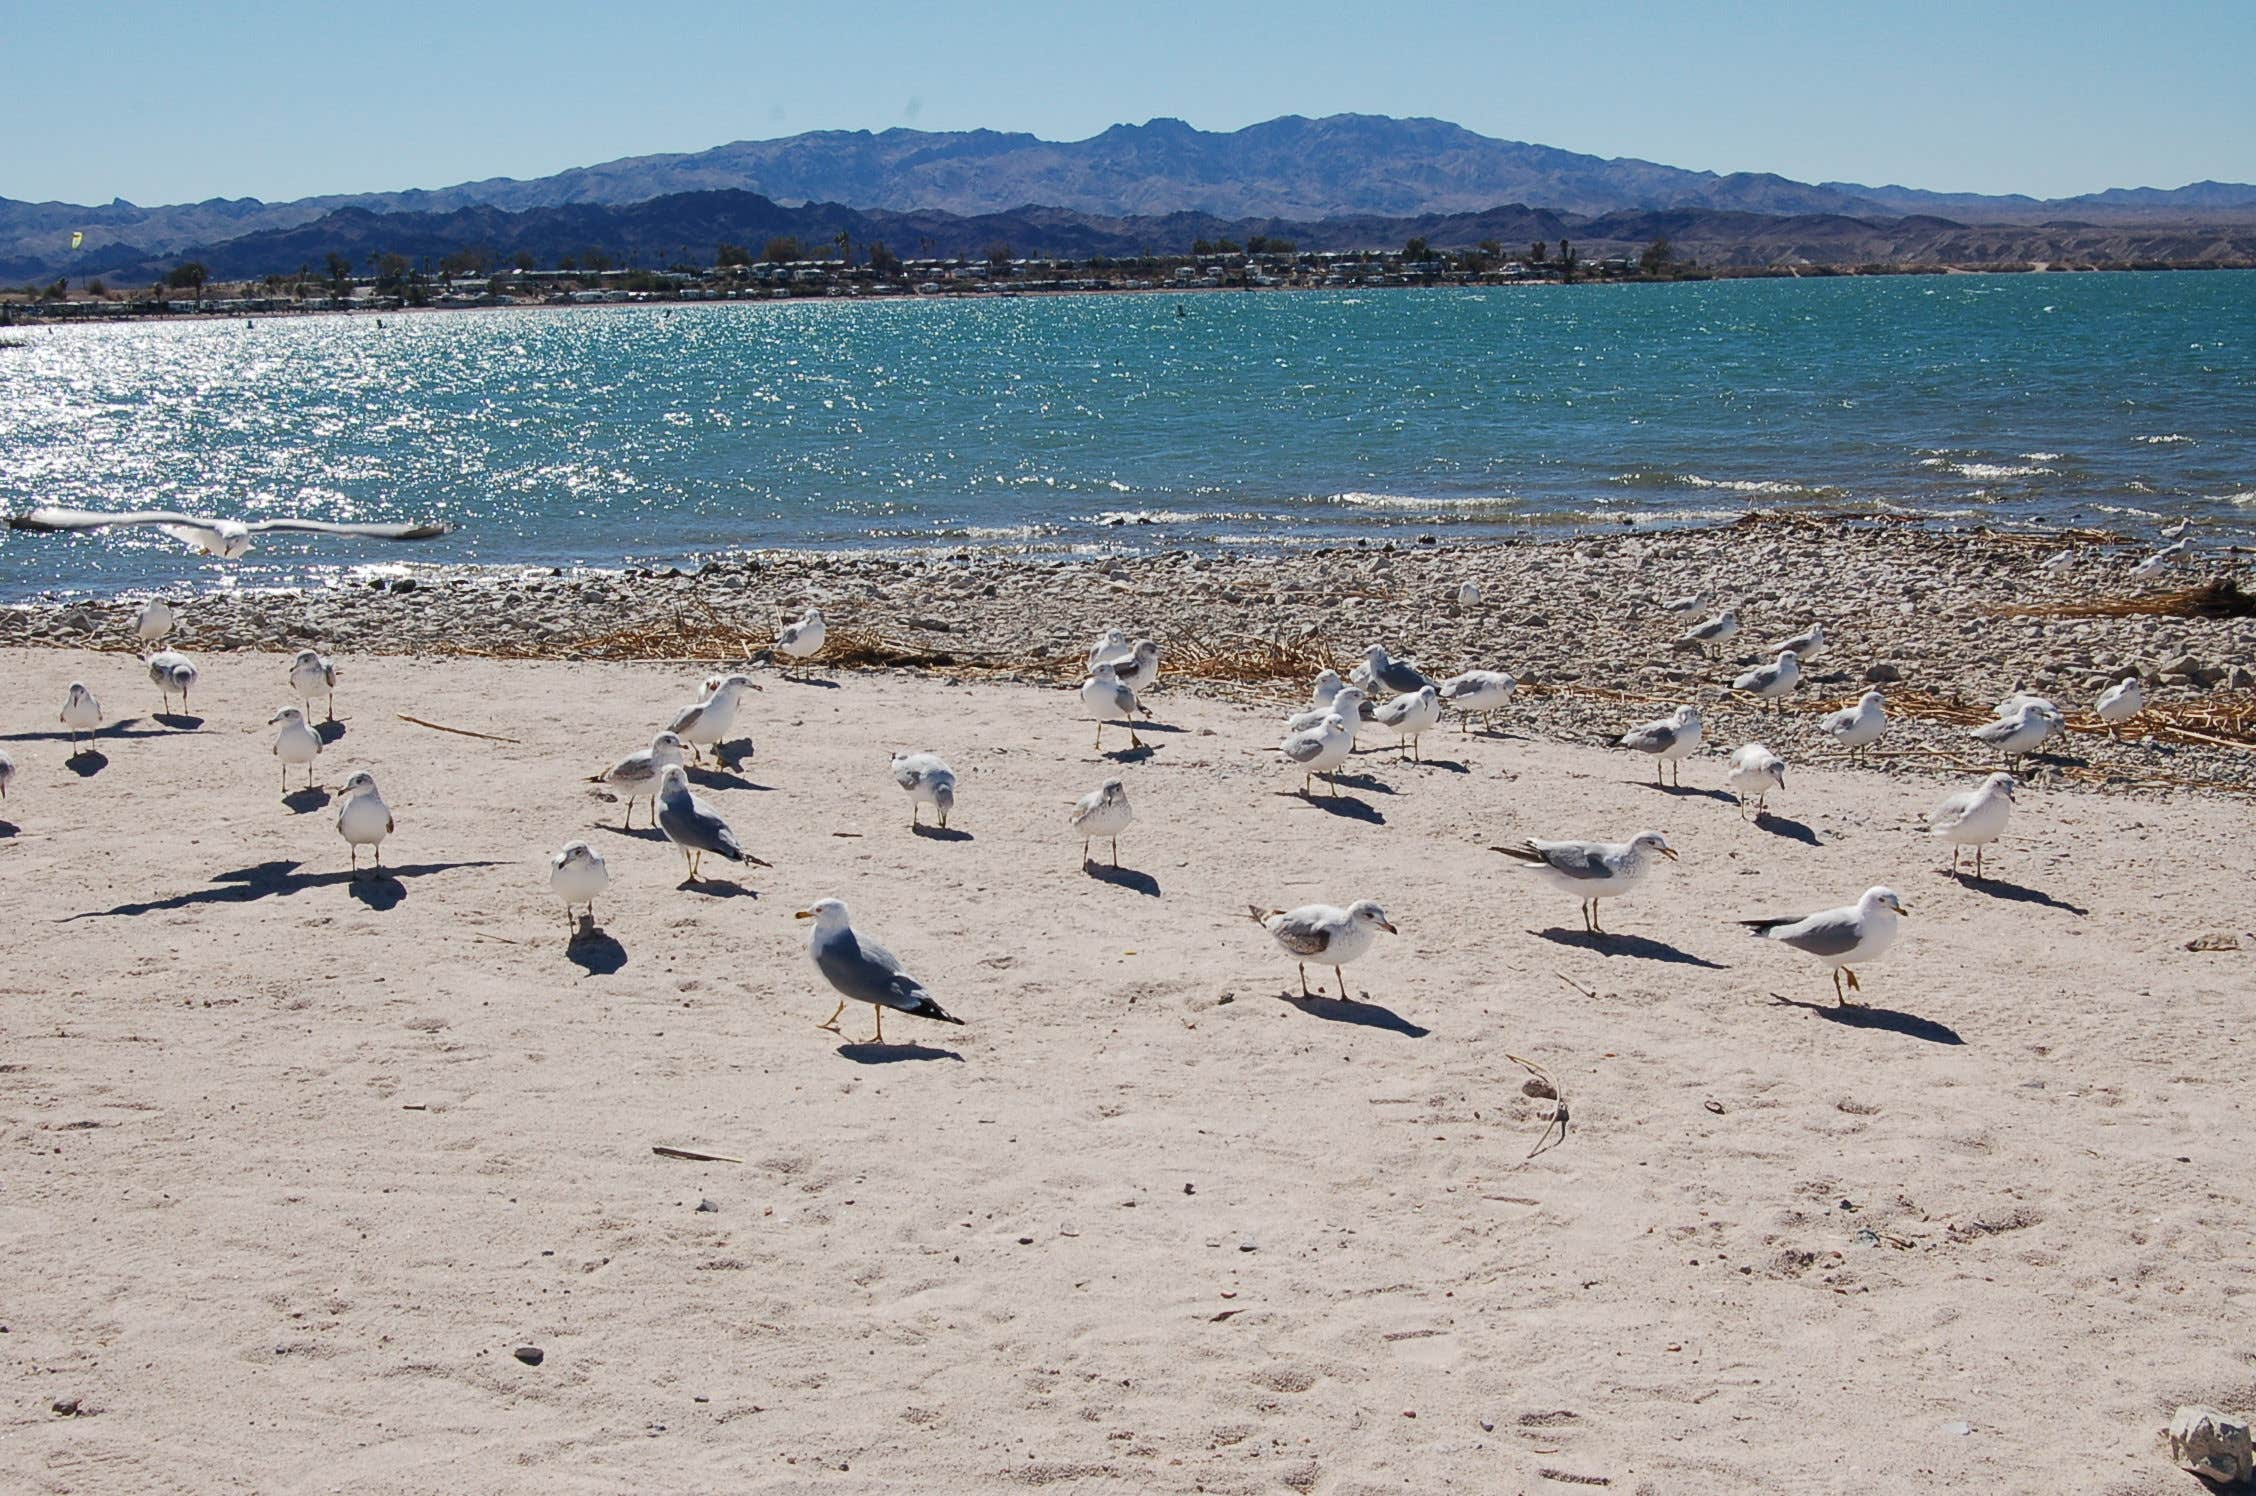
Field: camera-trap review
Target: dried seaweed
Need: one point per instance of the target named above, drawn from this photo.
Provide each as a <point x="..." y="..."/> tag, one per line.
<point x="2219" y="597"/>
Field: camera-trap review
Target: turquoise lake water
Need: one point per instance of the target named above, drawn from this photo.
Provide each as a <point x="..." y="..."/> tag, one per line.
<point x="627" y="435"/>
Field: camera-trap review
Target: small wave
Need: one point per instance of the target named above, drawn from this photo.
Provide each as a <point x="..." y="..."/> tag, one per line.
<point x="1987" y="472"/>
<point x="2245" y="499"/>
<point x="1409" y="503"/>
<point x="2043" y="456"/>
<point x="1770" y="487"/>
<point x="2172" y="440"/>
<point x="1116" y="518"/>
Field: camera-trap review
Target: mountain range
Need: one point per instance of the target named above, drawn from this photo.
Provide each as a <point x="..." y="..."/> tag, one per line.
<point x="1336" y="171"/>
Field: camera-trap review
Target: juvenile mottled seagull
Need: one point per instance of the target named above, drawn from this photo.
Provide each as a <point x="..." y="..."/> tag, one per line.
<point x="862" y="971"/>
<point x="1591" y="870"/>
<point x="1141" y="669"/>
<point x="1103" y="812"/>
<point x="295" y="745"/>
<point x="1714" y="631"/>
<point x="1478" y="693"/>
<point x="363" y="819"/>
<point x="1105" y="699"/>
<point x="1772" y="683"/>
<point x="1321" y="749"/>
<point x="1410" y="716"/>
<point x="637" y="774"/>
<point x="929" y="781"/>
<point x="227" y="539"/>
<point x="1755" y="771"/>
<point x="1806" y="645"/>
<point x="803" y="639"/>
<point x="1842" y="938"/>
<point x="1974" y="818"/>
<point x="1858" y="727"/>
<point x="312" y="674"/>
<point x="1113" y="647"/>
<point x="691" y="824"/>
<point x="155" y="620"/>
<point x="707" y="723"/>
<point x="576" y="874"/>
<point x="1380" y="671"/>
<point x="1669" y="739"/>
<point x="81" y="714"/>
<point x="1347" y="702"/>
<point x="2023" y="732"/>
<point x="170" y="671"/>
<point x="1324" y="934"/>
<point x="2120" y="703"/>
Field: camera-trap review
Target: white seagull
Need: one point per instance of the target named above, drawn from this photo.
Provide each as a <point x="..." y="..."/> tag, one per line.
<point x="7" y="772"/>
<point x="1328" y="684"/>
<point x="929" y="781"/>
<point x="313" y="674"/>
<point x="576" y="874"/>
<point x="2154" y="565"/>
<point x="1410" y="716"/>
<point x="637" y="773"/>
<point x="2121" y="702"/>
<point x="1103" y="812"/>
<point x="860" y="969"/>
<point x="1806" y="645"/>
<point x="691" y="824"/>
<point x="1714" y="631"/>
<point x="1591" y="870"/>
<point x="170" y="671"/>
<point x="1381" y="671"/>
<point x="1468" y="594"/>
<point x="1669" y="739"/>
<point x="1755" y="771"/>
<point x="1974" y="818"/>
<point x="1772" y="683"/>
<point x="1104" y="698"/>
<point x="1320" y="750"/>
<point x="803" y="638"/>
<point x="155" y="620"/>
<point x="706" y="724"/>
<point x="1347" y="703"/>
<point x="1113" y="647"/>
<point x="363" y="819"/>
<point x="295" y="744"/>
<point x="1842" y="938"/>
<point x="82" y="713"/>
<point x="1141" y="669"/>
<point x="1858" y="727"/>
<point x="1324" y="934"/>
<point x="2023" y="732"/>
<point x="1478" y="693"/>
<point x="227" y="539"/>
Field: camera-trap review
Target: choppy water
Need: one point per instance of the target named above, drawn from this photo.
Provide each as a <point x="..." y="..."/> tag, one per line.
<point x="606" y="436"/>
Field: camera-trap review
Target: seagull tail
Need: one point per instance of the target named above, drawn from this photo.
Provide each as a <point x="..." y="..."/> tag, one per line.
<point x="927" y="1008"/>
<point x="1523" y="853"/>
<point x="1261" y="915"/>
<point x="1761" y="928"/>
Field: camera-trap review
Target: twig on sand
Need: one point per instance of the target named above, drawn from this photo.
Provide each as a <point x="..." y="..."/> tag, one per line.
<point x="457" y="731"/>
<point x="1590" y="992"/>
<point x="695" y="1156"/>
<point x="1548" y="1087"/>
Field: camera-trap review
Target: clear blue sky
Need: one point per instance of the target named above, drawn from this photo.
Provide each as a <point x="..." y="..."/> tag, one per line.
<point x="158" y="101"/>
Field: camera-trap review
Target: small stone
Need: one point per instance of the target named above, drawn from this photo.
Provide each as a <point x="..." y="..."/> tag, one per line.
<point x="404" y="584"/>
<point x="1882" y="673"/>
<point x="2217" y="942"/>
<point x="531" y="1355"/>
<point x="707" y="1207"/>
<point x="66" y="1406"/>
<point x="2211" y="1444"/>
<point x="1959" y="1427"/>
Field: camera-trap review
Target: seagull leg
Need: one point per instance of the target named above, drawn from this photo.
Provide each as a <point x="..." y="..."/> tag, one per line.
<point x="1345" y="995"/>
<point x="1854" y="984"/>
<point x="1977" y="859"/>
<point x="1595" y="927"/>
<point x="1133" y="740"/>
<point x="1116" y="851"/>
<point x="1100" y="737"/>
<point x="1304" y="992"/>
<point x="831" y="1022"/>
<point x="332" y="706"/>
<point x="880" y="1012"/>
<point x="1084" y="851"/>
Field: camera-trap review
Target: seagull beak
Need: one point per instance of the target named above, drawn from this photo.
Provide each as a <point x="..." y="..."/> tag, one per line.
<point x="804" y="914"/>
<point x="1669" y="853"/>
<point x="1389" y="928"/>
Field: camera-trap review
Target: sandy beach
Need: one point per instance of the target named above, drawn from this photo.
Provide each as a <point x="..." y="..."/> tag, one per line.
<point x="298" y="1161"/>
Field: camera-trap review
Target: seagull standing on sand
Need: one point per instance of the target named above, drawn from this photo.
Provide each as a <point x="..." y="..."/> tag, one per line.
<point x="1104" y="698"/>
<point x="637" y="774"/>
<point x="2023" y="732"/>
<point x="1321" y="749"/>
<point x="803" y="639"/>
<point x="1842" y="938"/>
<point x="707" y="723"/>
<point x="155" y="620"/>
<point x="576" y="874"/>
<point x="1714" y="631"/>
<point x="7" y="772"/>
<point x="1113" y="647"/>
<point x="1591" y="870"/>
<point x="1347" y="703"/>
<point x="1858" y="727"/>
<point x="81" y="714"/>
<point x="861" y="970"/>
<point x="1410" y="716"/>
<point x="929" y="781"/>
<point x="1806" y="645"/>
<point x="1380" y="671"/>
<point x="691" y="824"/>
<point x="1756" y="771"/>
<point x="1772" y="683"/>
<point x="1103" y="812"/>
<point x="312" y="674"/>
<point x="296" y="744"/>
<point x="363" y="819"/>
<point x="1670" y="740"/>
<point x="1974" y="818"/>
<point x="227" y="539"/>
<point x="1478" y="693"/>
<point x="1324" y="934"/>
<point x="2120" y="703"/>
<point x="170" y="671"/>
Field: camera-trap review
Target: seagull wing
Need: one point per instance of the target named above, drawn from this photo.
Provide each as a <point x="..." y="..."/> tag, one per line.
<point x="1303" y="937"/>
<point x="867" y="972"/>
<point x="419" y="530"/>
<point x="1835" y="932"/>
<point x="47" y="518"/>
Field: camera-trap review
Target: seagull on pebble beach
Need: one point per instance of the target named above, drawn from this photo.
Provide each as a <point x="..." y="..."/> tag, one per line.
<point x="1321" y="749"/>
<point x="861" y="970"/>
<point x="1347" y="702"/>
<point x="1691" y="602"/>
<point x="2022" y="733"/>
<point x="707" y="723"/>
<point x="2121" y="702"/>
<point x="227" y="539"/>
<point x="1974" y="818"/>
<point x="1858" y="727"/>
<point x="1478" y="693"/>
<point x="1772" y="683"/>
<point x="1113" y="647"/>
<point x="312" y="674"/>
<point x="1468" y="594"/>
<point x="82" y="713"/>
<point x="2154" y="565"/>
<point x="576" y="874"/>
<point x="170" y="671"/>
<point x="1669" y="739"/>
<point x="1104" y="698"/>
<point x="1410" y="716"/>
<point x="1842" y="938"/>
<point x="691" y="824"/>
<point x="1324" y="934"/>
<point x="929" y="781"/>
<point x="295" y="744"/>
<point x="1714" y="631"/>
<point x="155" y="620"/>
<point x="1103" y="812"/>
<point x="1380" y="671"/>
<point x="803" y="638"/>
<point x="1591" y="870"/>
<point x="1755" y="771"/>
<point x="363" y="819"/>
<point x="1141" y="670"/>
<point x="637" y="774"/>
<point x="1805" y="646"/>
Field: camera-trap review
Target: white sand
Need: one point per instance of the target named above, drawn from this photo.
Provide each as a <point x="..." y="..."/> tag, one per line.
<point x="1778" y="1252"/>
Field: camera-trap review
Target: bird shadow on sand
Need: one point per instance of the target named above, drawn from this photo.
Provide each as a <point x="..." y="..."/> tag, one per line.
<point x="1347" y="807"/>
<point x="179" y="721"/>
<point x="639" y="833"/>
<point x="1370" y="783"/>
<point x="939" y="833"/>
<point x="1886" y="1020"/>
<point x="2016" y="893"/>
<point x="8" y="829"/>
<point x="733" y="754"/>
<point x="379" y="888"/>
<point x="723" y="779"/>
<point x="819" y="682"/>
<point x="1640" y="946"/>
<point x="1454" y="766"/>
<point x="1123" y="877"/>
<point x="1694" y="792"/>
<point x="87" y="764"/>
<point x="594" y="951"/>
<point x="1139" y="754"/>
<point x="306" y="801"/>
<point x="1361" y="1014"/>
<point x="718" y="888"/>
<point x="123" y="727"/>
<point x="329" y="731"/>
<point x="1792" y="830"/>
<point x="871" y="1052"/>
<point x="1153" y="724"/>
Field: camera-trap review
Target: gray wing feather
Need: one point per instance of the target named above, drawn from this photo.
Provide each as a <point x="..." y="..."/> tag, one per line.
<point x="867" y="972"/>
<point x="1302" y="939"/>
<point x="1575" y="859"/>
<point x="1302" y="748"/>
<point x="1651" y="739"/>
<point x="424" y="530"/>
<point x="696" y="827"/>
<point x="1833" y="933"/>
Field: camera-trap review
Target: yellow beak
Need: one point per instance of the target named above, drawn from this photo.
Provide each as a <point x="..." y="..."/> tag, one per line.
<point x="804" y="914"/>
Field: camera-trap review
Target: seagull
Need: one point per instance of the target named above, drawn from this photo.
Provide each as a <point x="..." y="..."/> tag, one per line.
<point x="1772" y="683"/>
<point x="707" y="723"/>
<point x="296" y="743"/>
<point x="363" y="819"/>
<point x="155" y="620"/>
<point x="1328" y="684"/>
<point x="2023" y="732"/>
<point x="1347" y="704"/>
<point x="1411" y="715"/>
<point x="2120" y="703"/>
<point x="1669" y="739"/>
<point x="1319" y="932"/>
<point x="690" y="823"/>
<point x="1468" y="594"/>
<point x="1591" y="870"/>
<point x="803" y="639"/>
<point x="1842" y="938"/>
<point x="1107" y="700"/>
<point x="1141" y="668"/>
<point x="1858" y="727"/>
<point x="2011" y="706"/>
<point x="1478" y="693"/>
<point x="81" y="714"/>
<point x="1806" y="645"/>
<point x="2059" y="561"/>
<point x="1714" y="631"/>
<point x="1113" y="647"/>
<point x="1103" y="812"/>
<point x="1755" y="772"/>
<point x="227" y="539"/>
<point x="861" y="969"/>
<point x="1691" y="602"/>
<point x="2172" y="532"/>
<point x="576" y="874"/>
<point x="313" y="674"/>
<point x="1379" y="671"/>
<point x="929" y="781"/>
<point x="1320" y="750"/>
<point x="170" y="671"/>
<point x="638" y="772"/>
<point x="1974" y="818"/>
<point x="7" y="772"/>
<point x="2156" y="564"/>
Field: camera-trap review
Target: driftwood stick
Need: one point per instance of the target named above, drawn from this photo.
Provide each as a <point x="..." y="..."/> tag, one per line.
<point x="457" y="731"/>
<point x="692" y="1154"/>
